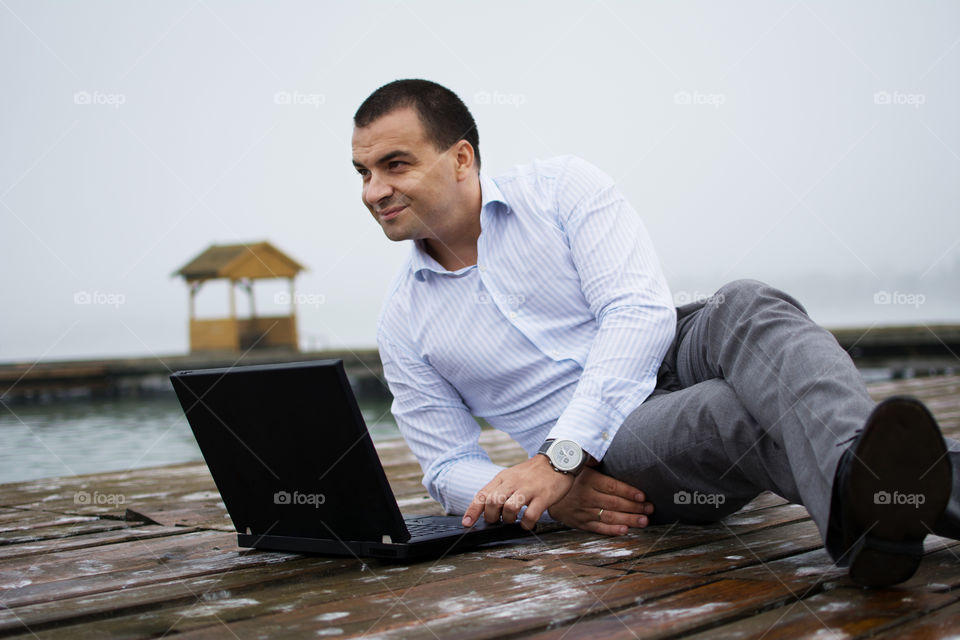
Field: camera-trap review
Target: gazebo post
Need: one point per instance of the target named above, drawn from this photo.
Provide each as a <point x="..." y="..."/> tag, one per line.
<point x="293" y="316"/>
<point x="253" y="306"/>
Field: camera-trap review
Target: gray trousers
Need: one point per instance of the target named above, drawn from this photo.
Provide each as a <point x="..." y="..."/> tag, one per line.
<point x="751" y="396"/>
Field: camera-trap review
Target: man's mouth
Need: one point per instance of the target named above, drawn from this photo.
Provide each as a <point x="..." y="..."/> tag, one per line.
<point x="391" y="213"/>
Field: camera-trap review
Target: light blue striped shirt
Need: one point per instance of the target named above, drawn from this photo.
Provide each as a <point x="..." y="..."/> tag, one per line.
<point x="557" y="332"/>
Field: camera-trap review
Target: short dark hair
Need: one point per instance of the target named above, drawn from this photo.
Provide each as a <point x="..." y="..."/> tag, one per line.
<point x="444" y="116"/>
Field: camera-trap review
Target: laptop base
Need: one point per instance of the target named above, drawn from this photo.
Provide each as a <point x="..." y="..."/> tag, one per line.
<point x="384" y="550"/>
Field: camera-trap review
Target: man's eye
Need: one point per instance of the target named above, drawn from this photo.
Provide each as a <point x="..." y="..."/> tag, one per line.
<point x="363" y="172"/>
<point x="395" y="164"/>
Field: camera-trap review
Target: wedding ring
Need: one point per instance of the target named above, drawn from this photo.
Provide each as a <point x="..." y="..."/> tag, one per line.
<point x="600" y="515"/>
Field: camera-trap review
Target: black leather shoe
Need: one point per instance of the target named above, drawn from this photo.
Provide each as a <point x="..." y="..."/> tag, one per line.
<point x="948" y="525"/>
<point x="892" y="484"/>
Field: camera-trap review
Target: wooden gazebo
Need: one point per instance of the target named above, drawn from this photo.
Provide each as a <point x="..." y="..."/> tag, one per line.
<point x="241" y="264"/>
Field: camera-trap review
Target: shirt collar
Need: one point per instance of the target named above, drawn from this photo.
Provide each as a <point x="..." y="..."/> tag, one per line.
<point x="421" y="261"/>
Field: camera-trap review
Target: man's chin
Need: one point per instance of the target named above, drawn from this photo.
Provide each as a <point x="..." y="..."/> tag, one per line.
<point x="395" y="233"/>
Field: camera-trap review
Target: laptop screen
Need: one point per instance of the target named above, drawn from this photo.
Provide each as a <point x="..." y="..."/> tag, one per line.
<point x="289" y="451"/>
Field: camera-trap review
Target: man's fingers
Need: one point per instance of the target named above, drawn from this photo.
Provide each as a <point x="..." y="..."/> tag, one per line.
<point x="512" y="507"/>
<point x="474" y="510"/>
<point x="615" y="503"/>
<point x="619" y="518"/>
<point x="532" y="514"/>
<point x="621" y="489"/>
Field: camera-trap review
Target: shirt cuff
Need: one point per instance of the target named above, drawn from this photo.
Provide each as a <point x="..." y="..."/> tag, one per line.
<point x="590" y="423"/>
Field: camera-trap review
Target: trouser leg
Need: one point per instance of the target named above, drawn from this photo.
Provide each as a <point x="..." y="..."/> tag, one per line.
<point x="795" y="400"/>
<point x="698" y="454"/>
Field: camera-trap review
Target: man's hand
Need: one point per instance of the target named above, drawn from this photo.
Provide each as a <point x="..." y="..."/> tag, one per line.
<point x="534" y="483"/>
<point x="623" y="506"/>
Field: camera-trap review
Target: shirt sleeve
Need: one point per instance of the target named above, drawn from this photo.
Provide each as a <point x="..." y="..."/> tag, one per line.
<point x="437" y="427"/>
<point x="626" y="291"/>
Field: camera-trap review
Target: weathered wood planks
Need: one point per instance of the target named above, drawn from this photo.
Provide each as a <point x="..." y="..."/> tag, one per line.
<point x="150" y="552"/>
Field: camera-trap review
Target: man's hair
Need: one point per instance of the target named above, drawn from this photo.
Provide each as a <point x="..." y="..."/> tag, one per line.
<point x="444" y="116"/>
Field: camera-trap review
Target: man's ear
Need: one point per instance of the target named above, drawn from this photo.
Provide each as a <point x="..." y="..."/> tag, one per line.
<point x="464" y="159"/>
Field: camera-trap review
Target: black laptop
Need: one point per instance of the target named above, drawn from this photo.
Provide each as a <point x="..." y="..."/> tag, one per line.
<point x="293" y="460"/>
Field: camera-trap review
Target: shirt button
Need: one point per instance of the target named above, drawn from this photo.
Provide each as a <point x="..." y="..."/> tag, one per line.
<point x="513" y="314"/>
<point x="605" y="435"/>
<point x="482" y="267"/>
<point x="555" y="353"/>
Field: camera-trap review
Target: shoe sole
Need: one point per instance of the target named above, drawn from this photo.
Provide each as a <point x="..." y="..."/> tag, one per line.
<point x="899" y="485"/>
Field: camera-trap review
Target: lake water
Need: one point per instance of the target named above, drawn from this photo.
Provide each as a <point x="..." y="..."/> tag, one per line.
<point x="89" y="436"/>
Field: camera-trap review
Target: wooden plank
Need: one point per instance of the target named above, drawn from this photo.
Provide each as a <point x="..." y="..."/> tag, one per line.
<point x="638" y="544"/>
<point x="815" y="568"/>
<point x="10" y="539"/>
<point x="463" y="610"/>
<point x="197" y="601"/>
<point x="64" y="574"/>
<point x="839" y="613"/>
<point x="91" y="538"/>
<point x="732" y="552"/>
<point x="14" y="522"/>
<point x="942" y="623"/>
<point x="686" y="611"/>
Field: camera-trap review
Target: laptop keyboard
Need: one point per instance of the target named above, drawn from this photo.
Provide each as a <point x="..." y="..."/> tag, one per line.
<point x="420" y="527"/>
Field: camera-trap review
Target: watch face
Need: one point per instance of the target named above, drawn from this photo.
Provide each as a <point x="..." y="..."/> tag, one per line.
<point x="566" y="455"/>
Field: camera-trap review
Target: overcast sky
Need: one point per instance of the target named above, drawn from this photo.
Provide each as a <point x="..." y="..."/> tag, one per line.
<point x="814" y="145"/>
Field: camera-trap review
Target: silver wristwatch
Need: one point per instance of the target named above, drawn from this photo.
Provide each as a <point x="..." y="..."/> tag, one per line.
<point x="565" y="456"/>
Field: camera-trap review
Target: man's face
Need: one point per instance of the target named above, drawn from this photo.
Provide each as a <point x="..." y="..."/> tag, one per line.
<point x="408" y="185"/>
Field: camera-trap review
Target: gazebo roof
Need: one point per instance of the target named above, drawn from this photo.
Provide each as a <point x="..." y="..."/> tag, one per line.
<point x="235" y="261"/>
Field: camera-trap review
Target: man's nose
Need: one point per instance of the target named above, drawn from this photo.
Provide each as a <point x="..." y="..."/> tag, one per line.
<point x="376" y="190"/>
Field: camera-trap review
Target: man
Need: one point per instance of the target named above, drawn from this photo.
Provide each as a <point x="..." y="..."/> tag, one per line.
<point x="535" y="300"/>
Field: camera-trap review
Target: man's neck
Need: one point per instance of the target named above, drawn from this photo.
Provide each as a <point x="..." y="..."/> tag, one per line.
<point x="456" y="247"/>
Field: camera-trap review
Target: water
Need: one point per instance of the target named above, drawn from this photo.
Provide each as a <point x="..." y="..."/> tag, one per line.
<point x="91" y="436"/>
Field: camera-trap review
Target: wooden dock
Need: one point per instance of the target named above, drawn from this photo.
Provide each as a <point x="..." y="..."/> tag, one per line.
<point x="151" y="553"/>
<point x="903" y="351"/>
